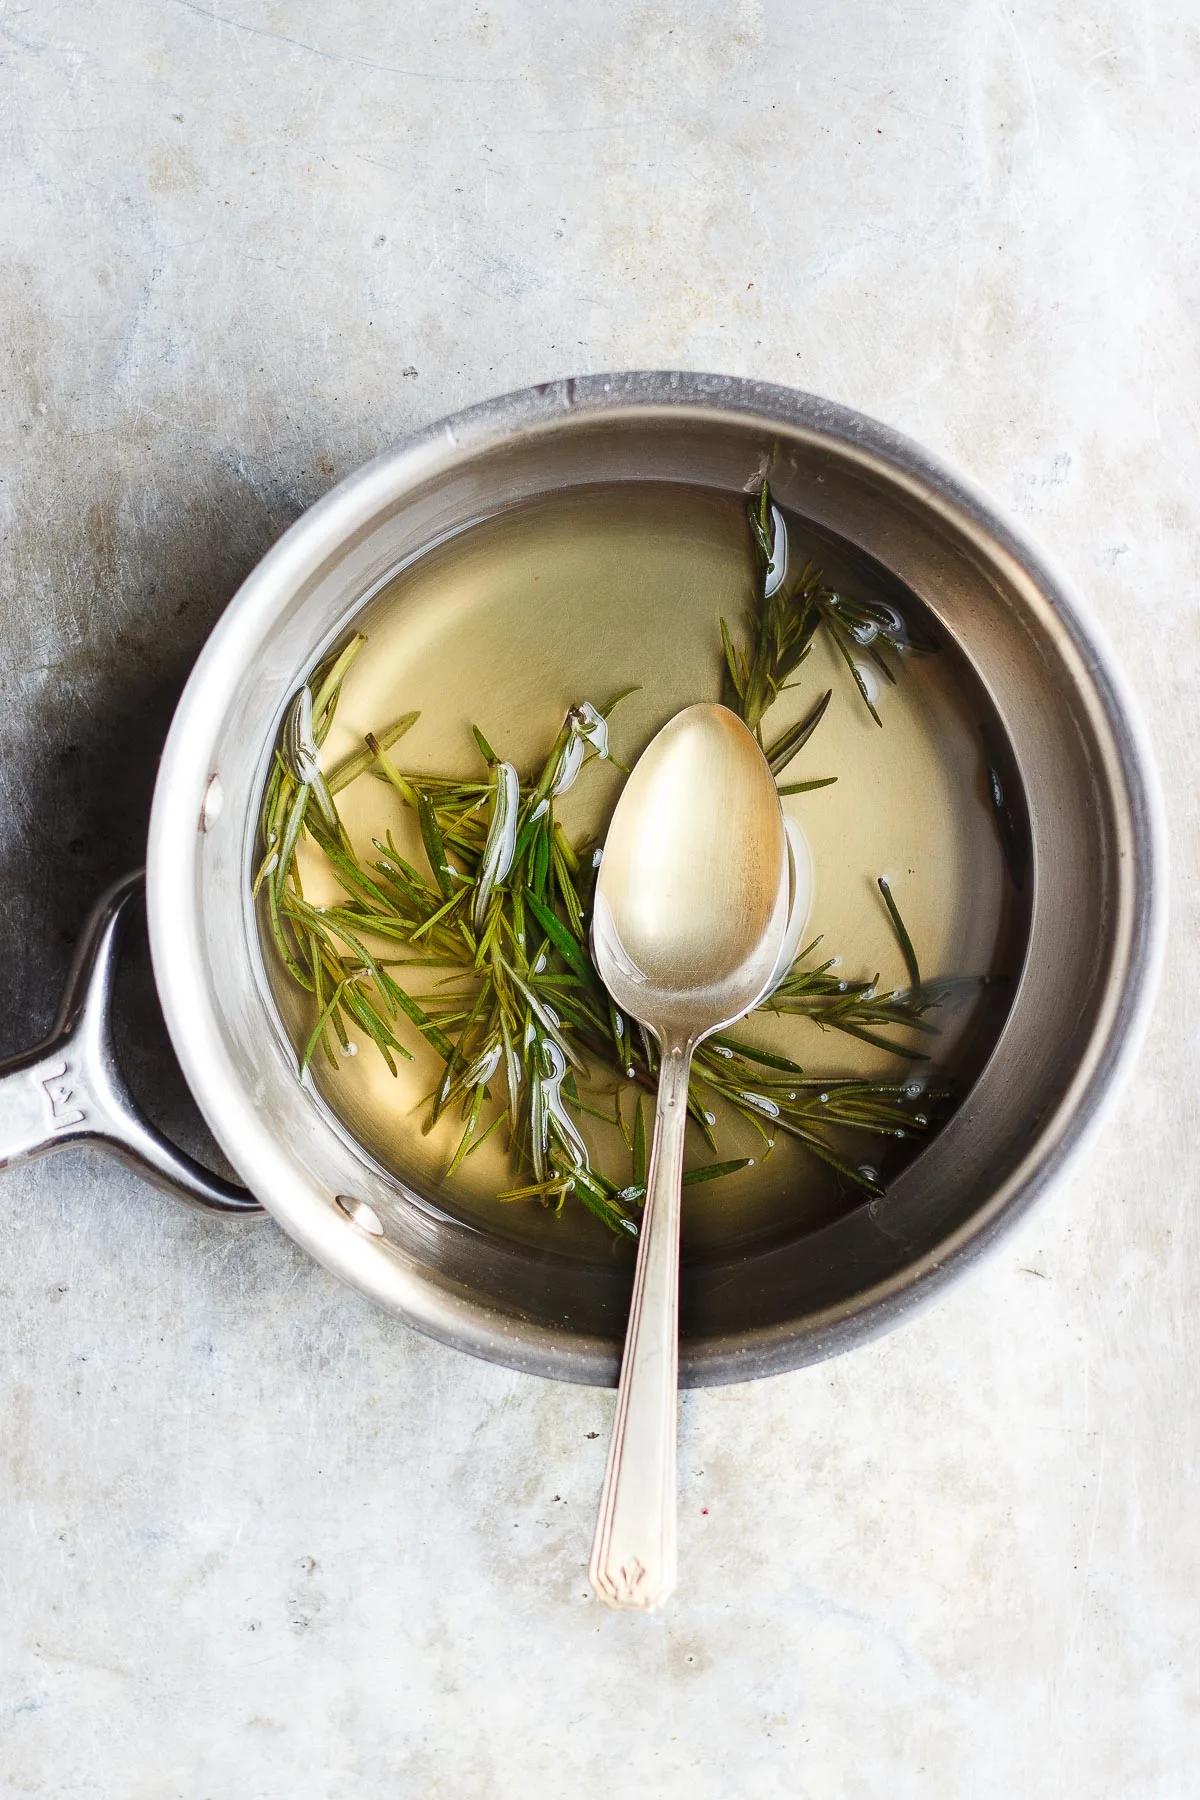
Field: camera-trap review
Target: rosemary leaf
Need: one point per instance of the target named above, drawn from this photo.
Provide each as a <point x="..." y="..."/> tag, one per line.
<point x="568" y="947"/>
<point x="388" y="768"/>
<point x="901" y="930"/>
<point x="435" y="849"/>
<point x="781" y="752"/>
<point x="640" y="1153"/>
<point x="343" y="773"/>
<point x="607" y="710"/>
<point x="325" y="698"/>
<point x="806" y="787"/>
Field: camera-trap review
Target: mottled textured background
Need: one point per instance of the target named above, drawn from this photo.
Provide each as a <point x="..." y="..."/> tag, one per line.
<point x="255" y="1539"/>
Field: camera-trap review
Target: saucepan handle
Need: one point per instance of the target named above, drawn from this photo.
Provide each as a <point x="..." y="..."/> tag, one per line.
<point x="69" y="1090"/>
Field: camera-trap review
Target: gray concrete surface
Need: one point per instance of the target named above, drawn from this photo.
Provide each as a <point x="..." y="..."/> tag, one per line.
<point x="256" y="1540"/>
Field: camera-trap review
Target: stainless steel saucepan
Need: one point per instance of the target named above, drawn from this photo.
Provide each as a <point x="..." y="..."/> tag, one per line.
<point x="1076" y="1016"/>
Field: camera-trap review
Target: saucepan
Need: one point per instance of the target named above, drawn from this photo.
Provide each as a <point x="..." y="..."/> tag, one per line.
<point x="1076" y="1013"/>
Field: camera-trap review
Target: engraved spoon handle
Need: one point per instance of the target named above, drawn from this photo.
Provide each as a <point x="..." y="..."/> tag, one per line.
<point x="633" y="1556"/>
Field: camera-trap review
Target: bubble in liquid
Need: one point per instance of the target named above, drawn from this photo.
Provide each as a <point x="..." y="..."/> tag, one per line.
<point x="869" y="682"/>
<point x="777" y="567"/>
<point x="761" y="1104"/>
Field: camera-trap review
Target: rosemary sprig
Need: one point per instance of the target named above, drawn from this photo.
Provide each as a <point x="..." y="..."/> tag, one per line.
<point x="782" y="623"/>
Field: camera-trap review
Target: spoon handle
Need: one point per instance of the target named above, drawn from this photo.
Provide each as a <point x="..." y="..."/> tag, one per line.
<point x="633" y="1556"/>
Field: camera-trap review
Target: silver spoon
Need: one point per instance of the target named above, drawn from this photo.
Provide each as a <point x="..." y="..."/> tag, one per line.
<point x="693" y="903"/>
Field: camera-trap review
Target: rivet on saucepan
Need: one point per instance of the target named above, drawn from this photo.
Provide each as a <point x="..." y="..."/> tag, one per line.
<point x="360" y="1214"/>
<point x="213" y="803"/>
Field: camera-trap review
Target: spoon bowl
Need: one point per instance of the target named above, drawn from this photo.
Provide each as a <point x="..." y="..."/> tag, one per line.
<point x="697" y="907"/>
<point x="688" y="898"/>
